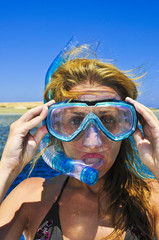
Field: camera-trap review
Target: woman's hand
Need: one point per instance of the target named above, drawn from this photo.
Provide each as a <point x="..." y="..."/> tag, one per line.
<point x="21" y="145"/>
<point x="147" y="145"/>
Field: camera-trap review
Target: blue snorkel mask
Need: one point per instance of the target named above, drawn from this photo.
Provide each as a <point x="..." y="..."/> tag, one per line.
<point x="116" y="119"/>
<point x="70" y="119"/>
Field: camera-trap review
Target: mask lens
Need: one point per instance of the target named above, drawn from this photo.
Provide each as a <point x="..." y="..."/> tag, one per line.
<point x="65" y="121"/>
<point x="116" y="119"/>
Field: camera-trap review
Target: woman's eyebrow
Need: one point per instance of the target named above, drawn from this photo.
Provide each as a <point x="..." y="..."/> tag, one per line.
<point x="78" y="113"/>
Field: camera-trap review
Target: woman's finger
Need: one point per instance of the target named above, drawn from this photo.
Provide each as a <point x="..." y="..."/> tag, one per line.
<point x="40" y="133"/>
<point x="48" y="104"/>
<point x="138" y="137"/>
<point x="34" y="112"/>
<point x="38" y="119"/>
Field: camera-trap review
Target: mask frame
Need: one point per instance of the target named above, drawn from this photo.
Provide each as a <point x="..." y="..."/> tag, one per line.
<point x="93" y="118"/>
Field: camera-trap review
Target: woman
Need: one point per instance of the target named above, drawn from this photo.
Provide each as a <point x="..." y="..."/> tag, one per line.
<point x="121" y="205"/>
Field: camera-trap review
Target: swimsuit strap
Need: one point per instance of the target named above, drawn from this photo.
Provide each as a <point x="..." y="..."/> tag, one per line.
<point x="135" y="235"/>
<point x="130" y="236"/>
<point x="63" y="187"/>
<point x="51" y="226"/>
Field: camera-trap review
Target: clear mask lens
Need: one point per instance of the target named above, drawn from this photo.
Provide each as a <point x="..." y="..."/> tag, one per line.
<point x="117" y="120"/>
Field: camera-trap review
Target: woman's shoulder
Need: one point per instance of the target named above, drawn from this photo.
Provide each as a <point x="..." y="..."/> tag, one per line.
<point x="33" y="190"/>
<point x="154" y="203"/>
<point x="154" y="190"/>
<point x="154" y="186"/>
<point x="37" y="188"/>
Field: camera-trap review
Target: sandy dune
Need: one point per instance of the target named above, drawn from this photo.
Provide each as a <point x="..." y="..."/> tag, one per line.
<point x="17" y="107"/>
<point x="22" y="105"/>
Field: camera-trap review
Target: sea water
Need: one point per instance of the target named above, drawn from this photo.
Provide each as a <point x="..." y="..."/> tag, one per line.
<point x="41" y="169"/>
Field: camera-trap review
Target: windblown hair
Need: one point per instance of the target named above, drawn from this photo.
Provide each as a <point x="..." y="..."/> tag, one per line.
<point x="127" y="193"/>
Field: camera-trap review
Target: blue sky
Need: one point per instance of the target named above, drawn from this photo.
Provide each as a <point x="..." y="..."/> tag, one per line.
<point x="33" y="32"/>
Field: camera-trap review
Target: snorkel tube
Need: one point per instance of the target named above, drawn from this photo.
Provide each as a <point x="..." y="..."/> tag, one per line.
<point x="54" y="156"/>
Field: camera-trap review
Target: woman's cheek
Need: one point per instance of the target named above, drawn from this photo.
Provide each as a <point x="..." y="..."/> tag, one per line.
<point x="75" y="150"/>
<point x="70" y="151"/>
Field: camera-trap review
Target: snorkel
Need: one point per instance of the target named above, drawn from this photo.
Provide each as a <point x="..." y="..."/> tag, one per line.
<point x="53" y="155"/>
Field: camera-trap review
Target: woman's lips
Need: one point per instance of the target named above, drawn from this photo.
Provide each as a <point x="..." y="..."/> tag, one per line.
<point x="94" y="160"/>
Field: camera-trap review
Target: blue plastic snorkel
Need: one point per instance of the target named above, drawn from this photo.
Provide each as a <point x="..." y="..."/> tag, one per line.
<point x="54" y="157"/>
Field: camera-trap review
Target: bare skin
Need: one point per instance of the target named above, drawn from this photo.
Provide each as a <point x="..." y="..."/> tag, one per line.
<point x="24" y="209"/>
<point x="83" y="218"/>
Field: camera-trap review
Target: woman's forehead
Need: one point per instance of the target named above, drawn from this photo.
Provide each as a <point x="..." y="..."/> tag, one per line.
<point x="102" y="95"/>
<point x="95" y="92"/>
<point x="89" y="92"/>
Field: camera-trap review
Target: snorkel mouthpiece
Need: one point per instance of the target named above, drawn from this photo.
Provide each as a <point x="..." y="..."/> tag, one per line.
<point x="65" y="165"/>
<point x="75" y="168"/>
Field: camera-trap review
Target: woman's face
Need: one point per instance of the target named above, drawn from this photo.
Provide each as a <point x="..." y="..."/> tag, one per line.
<point x="98" y="152"/>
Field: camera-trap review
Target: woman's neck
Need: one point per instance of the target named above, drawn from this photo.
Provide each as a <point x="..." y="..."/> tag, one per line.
<point x="96" y="188"/>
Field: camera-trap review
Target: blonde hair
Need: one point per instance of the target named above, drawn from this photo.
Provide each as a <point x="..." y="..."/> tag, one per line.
<point x="127" y="192"/>
<point x="77" y="71"/>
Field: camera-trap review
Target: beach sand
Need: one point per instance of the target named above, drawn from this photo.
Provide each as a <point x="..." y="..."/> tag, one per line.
<point x="17" y="107"/>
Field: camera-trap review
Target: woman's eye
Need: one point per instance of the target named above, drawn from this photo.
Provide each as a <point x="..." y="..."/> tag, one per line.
<point x="108" y="120"/>
<point x="75" y="121"/>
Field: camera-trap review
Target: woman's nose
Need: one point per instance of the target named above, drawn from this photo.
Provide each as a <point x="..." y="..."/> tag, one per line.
<point x="92" y="136"/>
